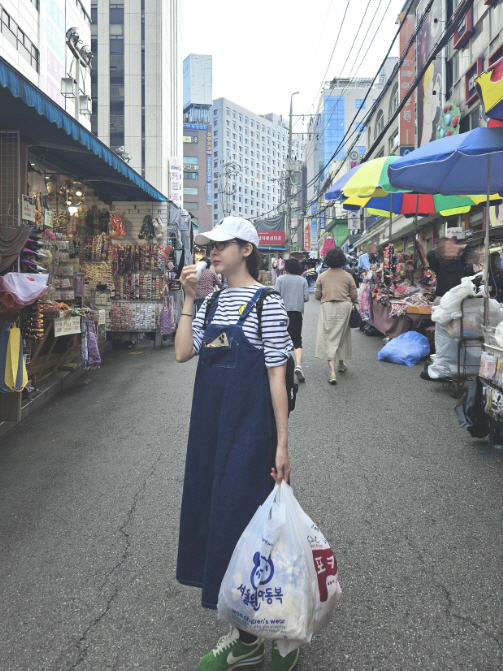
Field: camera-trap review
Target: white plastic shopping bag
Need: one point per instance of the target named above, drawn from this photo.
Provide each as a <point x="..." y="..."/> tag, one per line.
<point x="281" y="582"/>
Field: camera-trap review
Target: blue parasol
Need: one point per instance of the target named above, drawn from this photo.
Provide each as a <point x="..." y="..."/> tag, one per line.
<point x="454" y="165"/>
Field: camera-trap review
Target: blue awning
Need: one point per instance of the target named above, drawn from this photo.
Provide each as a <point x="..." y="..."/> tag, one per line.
<point x="55" y="135"/>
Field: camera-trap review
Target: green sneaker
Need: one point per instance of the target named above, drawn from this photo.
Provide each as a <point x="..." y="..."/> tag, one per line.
<point x="279" y="663"/>
<point x="230" y="653"/>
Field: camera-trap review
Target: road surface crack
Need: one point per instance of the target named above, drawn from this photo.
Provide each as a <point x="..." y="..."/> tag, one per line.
<point x="82" y="643"/>
<point x="449" y="610"/>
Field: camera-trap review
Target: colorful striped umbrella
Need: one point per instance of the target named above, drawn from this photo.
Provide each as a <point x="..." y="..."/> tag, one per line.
<point x="410" y="204"/>
<point x="366" y="179"/>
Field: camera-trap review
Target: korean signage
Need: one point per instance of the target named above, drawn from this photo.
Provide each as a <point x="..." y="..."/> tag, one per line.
<point x="456" y="232"/>
<point x="195" y="126"/>
<point x="353" y="221"/>
<point x="405" y="80"/>
<point x="208" y="167"/>
<point x="354" y="158"/>
<point x="191" y="139"/>
<point x="191" y="167"/>
<point x="314" y="227"/>
<point x="175" y="186"/>
<point x="307" y="236"/>
<point x="271" y="238"/>
<point x="428" y="102"/>
<point x="28" y="211"/>
<point x="66" y="326"/>
<point x="323" y="220"/>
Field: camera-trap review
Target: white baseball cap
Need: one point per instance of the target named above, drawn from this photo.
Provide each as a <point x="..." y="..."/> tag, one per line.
<point x="229" y="228"/>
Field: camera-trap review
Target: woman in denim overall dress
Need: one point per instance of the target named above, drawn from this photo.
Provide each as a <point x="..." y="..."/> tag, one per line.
<point x="238" y="437"/>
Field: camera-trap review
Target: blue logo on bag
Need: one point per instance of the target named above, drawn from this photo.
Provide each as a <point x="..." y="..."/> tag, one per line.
<point x="263" y="570"/>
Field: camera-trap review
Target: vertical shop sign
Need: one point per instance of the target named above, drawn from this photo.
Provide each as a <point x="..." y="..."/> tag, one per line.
<point x="314" y="227"/>
<point x="208" y="167"/>
<point x="28" y="208"/>
<point x="52" y="48"/>
<point x="322" y="219"/>
<point x="405" y="80"/>
<point x="175" y="186"/>
<point x="428" y="103"/>
<point x="307" y="237"/>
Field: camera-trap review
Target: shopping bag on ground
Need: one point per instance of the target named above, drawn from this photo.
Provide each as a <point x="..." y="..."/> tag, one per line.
<point x="281" y="582"/>
<point x="408" y="349"/>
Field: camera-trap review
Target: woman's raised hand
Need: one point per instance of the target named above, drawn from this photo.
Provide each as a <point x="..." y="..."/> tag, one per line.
<point x="189" y="280"/>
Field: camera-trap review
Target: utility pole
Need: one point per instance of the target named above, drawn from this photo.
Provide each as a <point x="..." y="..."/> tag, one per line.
<point x="288" y="186"/>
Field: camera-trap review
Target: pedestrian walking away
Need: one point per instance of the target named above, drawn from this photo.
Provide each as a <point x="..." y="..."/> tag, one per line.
<point x="264" y="267"/>
<point x="207" y="284"/>
<point x="238" y="437"/>
<point x="274" y="268"/>
<point x="294" y="292"/>
<point x="336" y="289"/>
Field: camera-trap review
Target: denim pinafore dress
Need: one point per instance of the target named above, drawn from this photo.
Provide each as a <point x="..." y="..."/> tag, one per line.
<point x="230" y="453"/>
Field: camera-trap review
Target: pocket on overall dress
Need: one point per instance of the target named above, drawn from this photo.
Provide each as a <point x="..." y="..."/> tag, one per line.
<point x="218" y="355"/>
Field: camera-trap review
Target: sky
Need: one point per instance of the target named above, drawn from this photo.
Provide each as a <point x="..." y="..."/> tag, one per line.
<point x="265" y="50"/>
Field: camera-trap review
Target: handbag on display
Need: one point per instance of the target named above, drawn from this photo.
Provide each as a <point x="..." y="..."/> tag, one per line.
<point x="13" y="375"/>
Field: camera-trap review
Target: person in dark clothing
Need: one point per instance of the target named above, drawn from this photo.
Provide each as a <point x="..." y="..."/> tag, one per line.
<point x="448" y="262"/>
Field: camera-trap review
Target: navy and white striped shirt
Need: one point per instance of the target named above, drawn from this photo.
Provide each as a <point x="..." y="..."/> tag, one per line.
<point x="275" y="341"/>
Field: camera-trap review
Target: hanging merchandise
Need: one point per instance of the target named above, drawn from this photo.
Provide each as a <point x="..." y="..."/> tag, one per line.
<point x="328" y="243"/>
<point x="90" y="351"/>
<point x="117" y="225"/>
<point x="147" y="229"/>
<point x="13" y="376"/>
<point x="12" y="240"/>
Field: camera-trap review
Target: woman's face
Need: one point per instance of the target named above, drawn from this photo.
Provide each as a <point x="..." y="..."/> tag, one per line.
<point x="228" y="260"/>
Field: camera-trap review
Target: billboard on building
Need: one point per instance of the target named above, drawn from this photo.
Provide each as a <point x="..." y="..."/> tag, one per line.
<point x="429" y="103"/>
<point x="271" y="232"/>
<point x="307" y="236"/>
<point x="52" y="48"/>
<point x="405" y="79"/>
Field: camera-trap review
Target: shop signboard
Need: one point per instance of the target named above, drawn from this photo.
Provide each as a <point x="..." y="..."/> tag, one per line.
<point x="52" y="48"/>
<point x="195" y="126"/>
<point x="48" y="218"/>
<point x="314" y="235"/>
<point x="353" y="221"/>
<point x="406" y="149"/>
<point x="271" y="238"/>
<point x="307" y="236"/>
<point x="405" y="80"/>
<point x="190" y="139"/>
<point x="208" y="167"/>
<point x="428" y="102"/>
<point x="175" y="186"/>
<point x="28" y="208"/>
<point x="455" y="232"/>
<point x="323" y="220"/>
<point x="101" y="317"/>
<point x="67" y="326"/>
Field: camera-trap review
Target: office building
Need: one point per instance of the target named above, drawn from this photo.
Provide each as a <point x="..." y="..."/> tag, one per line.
<point x="33" y="39"/>
<point x="197" y="139"/>
<point x="137" y="83"/>
<point x="249" y="154"/>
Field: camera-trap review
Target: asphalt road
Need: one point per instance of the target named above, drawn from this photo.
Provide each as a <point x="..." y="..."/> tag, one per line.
<point x="90" y="489"/>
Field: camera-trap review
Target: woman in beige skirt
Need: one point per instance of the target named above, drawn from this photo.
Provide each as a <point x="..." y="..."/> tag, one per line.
<point x="336" y="289"/>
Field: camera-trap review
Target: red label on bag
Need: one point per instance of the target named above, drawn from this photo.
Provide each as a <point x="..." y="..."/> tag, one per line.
<point x="326" y="568"/>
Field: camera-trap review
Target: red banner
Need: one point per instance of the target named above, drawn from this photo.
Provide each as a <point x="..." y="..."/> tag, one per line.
<point x="307" y="237"/>
<point x="271" y="238"/>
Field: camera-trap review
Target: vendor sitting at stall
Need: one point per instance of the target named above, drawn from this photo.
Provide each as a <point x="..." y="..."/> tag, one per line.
<point x="448" y="262"/>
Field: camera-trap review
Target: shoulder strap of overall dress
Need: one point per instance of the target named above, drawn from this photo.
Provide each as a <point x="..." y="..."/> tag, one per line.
<point x="211" y="307"/>
<point x="266" y="291"/>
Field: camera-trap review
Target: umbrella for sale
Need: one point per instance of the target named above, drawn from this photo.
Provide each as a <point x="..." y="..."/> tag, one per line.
<point x="471" y="162"/>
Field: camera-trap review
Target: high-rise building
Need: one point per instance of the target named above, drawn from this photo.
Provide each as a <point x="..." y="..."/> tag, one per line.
<point x="137" y="83"/>
<point x="249" y="154"/>
<point x="34" y="38"/>
<point x="338" y="122"/>
<point x="197" y="139"/>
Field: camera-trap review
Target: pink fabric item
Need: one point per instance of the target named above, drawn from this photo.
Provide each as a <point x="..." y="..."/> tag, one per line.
<point x="329" y="243"/>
